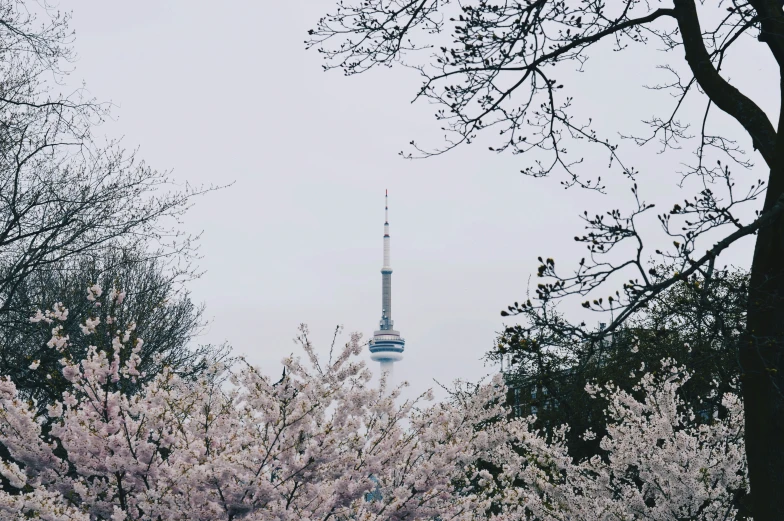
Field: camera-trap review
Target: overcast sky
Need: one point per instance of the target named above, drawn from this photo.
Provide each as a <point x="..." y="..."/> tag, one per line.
<point x="226" y="92"/>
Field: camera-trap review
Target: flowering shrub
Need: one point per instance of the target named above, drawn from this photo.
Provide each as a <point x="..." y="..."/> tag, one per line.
<point x="660" y="464"/>
<point x="321" y="443"/>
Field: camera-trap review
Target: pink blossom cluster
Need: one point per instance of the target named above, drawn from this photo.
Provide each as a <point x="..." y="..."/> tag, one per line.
<point x="323" y="444"/>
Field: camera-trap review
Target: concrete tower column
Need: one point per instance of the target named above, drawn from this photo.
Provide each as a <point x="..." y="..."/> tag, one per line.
<point x="386" y="346"/>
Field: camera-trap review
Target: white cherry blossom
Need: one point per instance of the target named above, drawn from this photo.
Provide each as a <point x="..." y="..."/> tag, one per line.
<point x="322" y="443"/>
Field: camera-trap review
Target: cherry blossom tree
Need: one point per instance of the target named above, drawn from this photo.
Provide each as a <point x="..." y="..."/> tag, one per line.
<point x="322" y="443"/>
<point x="659" y="463"/>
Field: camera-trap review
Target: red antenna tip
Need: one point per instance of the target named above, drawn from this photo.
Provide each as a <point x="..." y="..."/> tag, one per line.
<point x="386" y="191"/>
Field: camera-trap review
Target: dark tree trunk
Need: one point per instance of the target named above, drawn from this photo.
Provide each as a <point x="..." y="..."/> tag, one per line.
<point x="761" y="354"/>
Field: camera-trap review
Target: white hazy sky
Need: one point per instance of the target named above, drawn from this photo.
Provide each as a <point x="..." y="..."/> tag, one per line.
<point x="222" y="92"/>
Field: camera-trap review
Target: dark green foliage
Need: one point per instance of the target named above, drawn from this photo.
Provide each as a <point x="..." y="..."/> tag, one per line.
<point x="698" y="328"/>
<point x="165" y="317"/>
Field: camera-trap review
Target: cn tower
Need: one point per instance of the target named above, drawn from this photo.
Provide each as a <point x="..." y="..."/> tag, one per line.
<point x="387" y="346"/>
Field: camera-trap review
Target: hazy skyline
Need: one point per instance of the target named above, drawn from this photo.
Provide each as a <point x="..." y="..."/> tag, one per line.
<point x="219" y="94"/>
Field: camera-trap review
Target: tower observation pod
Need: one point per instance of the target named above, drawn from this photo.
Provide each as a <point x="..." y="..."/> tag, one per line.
<point x="386" y="346"/>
